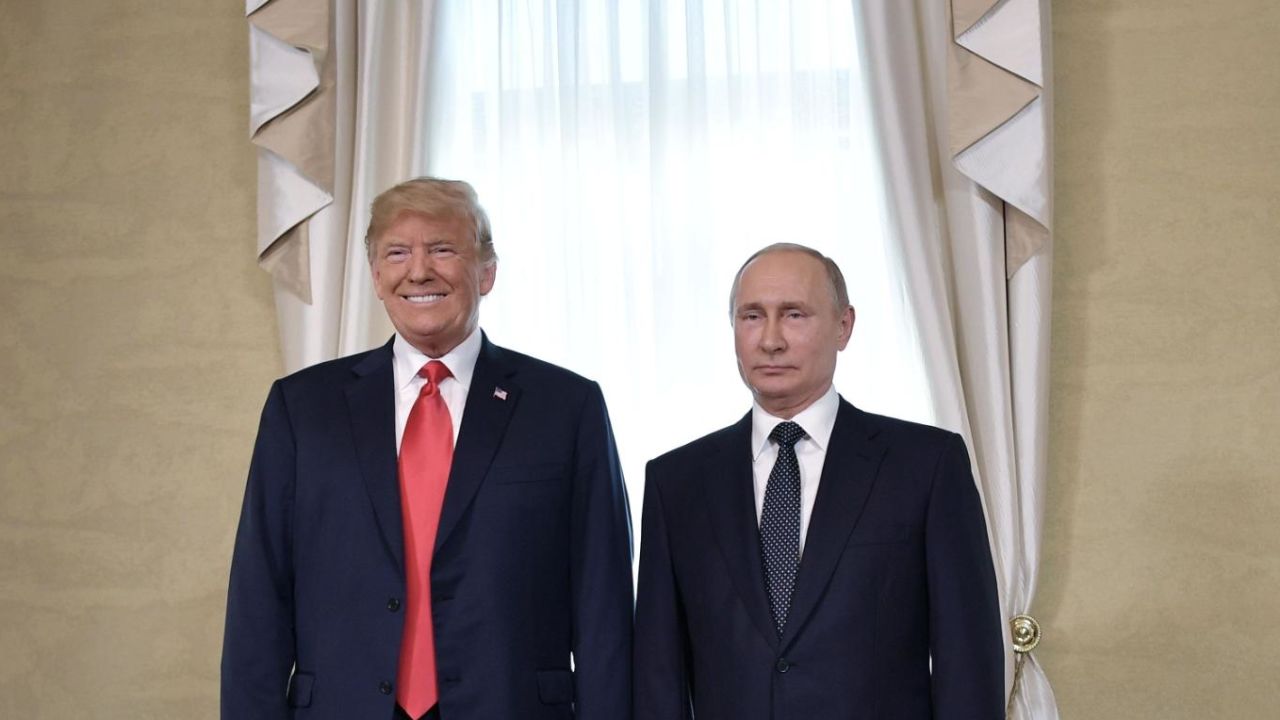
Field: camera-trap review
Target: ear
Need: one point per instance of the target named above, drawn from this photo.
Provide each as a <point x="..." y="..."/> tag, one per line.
<point x="488" y="273"/>
<point x="846" y="327"/>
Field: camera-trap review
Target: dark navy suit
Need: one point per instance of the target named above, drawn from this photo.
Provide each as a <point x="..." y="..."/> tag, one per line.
<point x="896" y="570"/>
<point x="532" y="559"/>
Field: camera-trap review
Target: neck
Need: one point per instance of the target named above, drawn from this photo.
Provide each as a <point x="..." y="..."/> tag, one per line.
<point x="788" y="408"/>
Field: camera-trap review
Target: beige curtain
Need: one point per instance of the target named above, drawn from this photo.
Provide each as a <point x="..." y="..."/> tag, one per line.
<point x="337" y="113"/>
<point x="998" y="127"/>
<point x="293" y="116"/>
<point x="962" y="111"/>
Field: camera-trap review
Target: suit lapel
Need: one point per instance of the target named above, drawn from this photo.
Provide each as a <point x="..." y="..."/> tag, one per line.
<point x="371" y="402"/>
<point x="848" y="473"/>
<point x="730" y="501"/>
<point x="490" y="401"/>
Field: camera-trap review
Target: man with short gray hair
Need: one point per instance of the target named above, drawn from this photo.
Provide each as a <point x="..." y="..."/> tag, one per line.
<point x="812" y="560"/>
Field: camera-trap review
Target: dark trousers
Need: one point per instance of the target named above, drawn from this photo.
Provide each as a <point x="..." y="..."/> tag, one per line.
<point x="432" y="714"/>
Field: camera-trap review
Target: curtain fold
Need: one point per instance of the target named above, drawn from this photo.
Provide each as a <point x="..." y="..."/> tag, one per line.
<point x="631" y="157"/>
<point x="998" y="124"/>
<point x="392" y="50"/>
<point x="977" y="265"/>
<point x="292" y="95"/>
<point x="338" y="113"/>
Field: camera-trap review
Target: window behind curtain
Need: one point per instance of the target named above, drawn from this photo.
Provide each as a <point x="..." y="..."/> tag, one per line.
<point x="631" y="155"/>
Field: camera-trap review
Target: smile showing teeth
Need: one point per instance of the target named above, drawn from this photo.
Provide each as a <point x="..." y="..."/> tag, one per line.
<point x="423" y="299"/>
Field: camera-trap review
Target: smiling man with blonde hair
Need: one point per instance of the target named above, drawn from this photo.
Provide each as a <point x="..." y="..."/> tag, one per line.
<point x="437" y="528"/>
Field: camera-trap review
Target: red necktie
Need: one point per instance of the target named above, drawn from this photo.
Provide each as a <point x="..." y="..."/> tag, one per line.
<point x="426" y="452"/>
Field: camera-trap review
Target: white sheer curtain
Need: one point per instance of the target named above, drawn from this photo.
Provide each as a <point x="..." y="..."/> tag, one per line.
<point x="632" y="155"/>
<point x="985" y="334"/>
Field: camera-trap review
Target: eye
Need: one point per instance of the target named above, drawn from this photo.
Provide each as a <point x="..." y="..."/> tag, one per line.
<point x="397" y="254"/>
<point x="794" y="315"/>
<point x="443" y="250"/>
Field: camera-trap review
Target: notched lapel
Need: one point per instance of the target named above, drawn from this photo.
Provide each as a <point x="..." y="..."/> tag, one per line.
<point x="371" y="402"/>
<point x="491" y="400"/>
<point x="730" y="501"/>
<point x="848" y="474"/>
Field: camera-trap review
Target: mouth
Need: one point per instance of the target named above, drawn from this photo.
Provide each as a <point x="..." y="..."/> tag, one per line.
<point x="424" y="299"/>
<point x="772" y="369"/>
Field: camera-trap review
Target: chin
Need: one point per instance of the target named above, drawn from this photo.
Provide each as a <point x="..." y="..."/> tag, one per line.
<point x="768" y="388"/>
<point x="416" y="331"/>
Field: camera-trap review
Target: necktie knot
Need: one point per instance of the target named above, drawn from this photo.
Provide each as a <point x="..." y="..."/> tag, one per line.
<point x="435" y="372"/>
<point x="787" y="434"/>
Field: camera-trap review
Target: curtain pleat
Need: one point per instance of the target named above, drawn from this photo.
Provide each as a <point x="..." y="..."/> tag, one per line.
<point x="977" y="266"/>
<point x="961" y="122"/>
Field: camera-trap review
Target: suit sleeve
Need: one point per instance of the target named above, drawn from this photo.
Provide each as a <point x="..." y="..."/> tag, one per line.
<point x="600" y="571"/>
<point x="258" y="645"/>
<point x="964" y="609"/>
<point x="662" y="646"/>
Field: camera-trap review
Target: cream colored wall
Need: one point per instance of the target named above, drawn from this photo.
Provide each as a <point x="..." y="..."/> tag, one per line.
<point x="137" y="342"/>
<point x="1161" y="575"/>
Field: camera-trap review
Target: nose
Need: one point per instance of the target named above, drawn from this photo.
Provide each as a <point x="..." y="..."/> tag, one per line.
<point x="771" y="339"/>
<point x="420" y="269"/>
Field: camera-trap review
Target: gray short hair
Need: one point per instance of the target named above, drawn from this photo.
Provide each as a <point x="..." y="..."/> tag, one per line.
<point x="839" y="291"/>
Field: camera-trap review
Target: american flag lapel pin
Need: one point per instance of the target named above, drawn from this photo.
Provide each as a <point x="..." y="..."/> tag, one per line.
<point x="500" y="393"/>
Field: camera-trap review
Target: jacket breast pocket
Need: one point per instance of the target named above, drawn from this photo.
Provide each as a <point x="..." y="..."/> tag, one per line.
<point x="885" y="534"/>
<point x="526" y="474"/>
<point x="555" y="687"/>
<point x="299" y="695"/>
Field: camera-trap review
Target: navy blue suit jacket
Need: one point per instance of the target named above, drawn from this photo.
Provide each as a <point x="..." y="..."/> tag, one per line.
<point x="532" y="559"/>
<point x="896" y="570"/>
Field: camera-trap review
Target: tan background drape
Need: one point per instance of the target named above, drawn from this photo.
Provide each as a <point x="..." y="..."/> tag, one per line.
<point x="138" y="341"/>
<point x="1161" y="577"/>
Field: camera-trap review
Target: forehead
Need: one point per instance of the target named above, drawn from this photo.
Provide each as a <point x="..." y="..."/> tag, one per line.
<point x="415" y="226"/>
<point x="785" y="276"/>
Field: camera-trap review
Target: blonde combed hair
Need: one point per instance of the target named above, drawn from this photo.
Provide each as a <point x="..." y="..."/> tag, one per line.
<point x="436" y="198"/>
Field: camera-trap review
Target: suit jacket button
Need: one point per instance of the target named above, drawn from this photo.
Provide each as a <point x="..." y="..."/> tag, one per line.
<point x="384" y="687"/>
<point x="393" y="604"/>
<point x="783" y="665"/>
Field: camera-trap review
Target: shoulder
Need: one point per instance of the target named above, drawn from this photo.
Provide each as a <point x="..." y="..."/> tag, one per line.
<point x="896" y="431"/>
<point x="337" y="371"/>
<point x="322" y="389"/>
<point x="533" y="371"/>
<point x="912" y="449"/>
<point x="693" y="454"/>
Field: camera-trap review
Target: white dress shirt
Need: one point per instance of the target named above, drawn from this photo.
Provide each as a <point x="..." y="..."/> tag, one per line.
<point x="408" y="360"/>
<point x="817" y="421"/>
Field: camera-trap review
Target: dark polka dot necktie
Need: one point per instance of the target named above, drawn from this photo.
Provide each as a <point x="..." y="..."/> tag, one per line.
<point x="780" y="522"/>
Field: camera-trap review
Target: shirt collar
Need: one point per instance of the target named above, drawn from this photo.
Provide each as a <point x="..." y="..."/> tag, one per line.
<point x="817" y="420"/>
<point x="408" y="360"/>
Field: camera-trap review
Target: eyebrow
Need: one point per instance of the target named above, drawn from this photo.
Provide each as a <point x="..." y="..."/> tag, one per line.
<point x="784" y="305"/>
<point x="395" y="240"/>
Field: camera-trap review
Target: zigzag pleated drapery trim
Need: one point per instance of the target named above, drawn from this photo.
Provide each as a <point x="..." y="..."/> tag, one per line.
<point x="998" y="131"/>
<point x="293" y="104"/>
